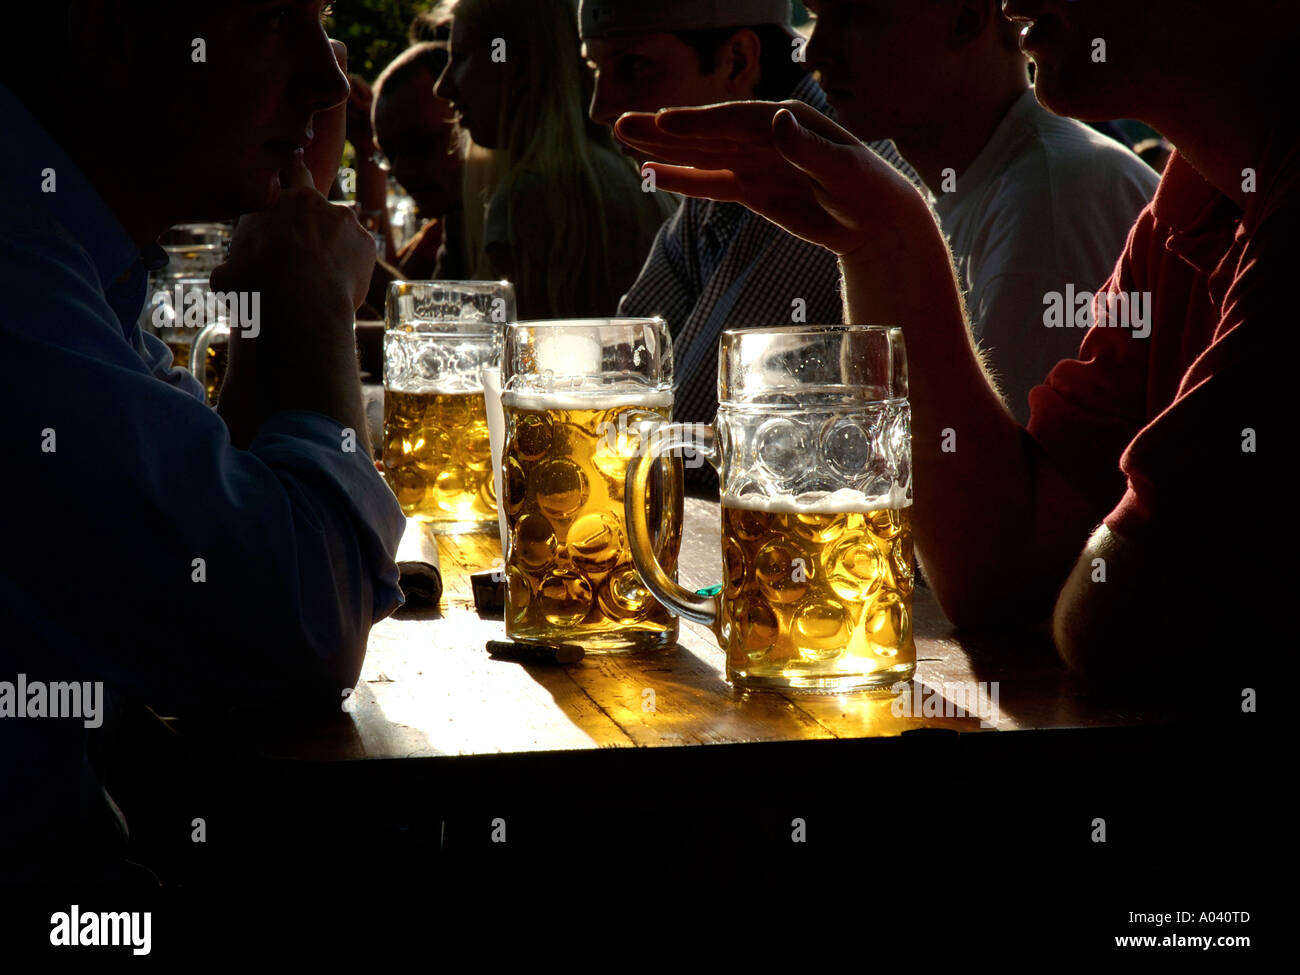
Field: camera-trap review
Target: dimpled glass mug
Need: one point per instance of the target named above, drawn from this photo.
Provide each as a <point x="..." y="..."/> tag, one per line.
<point x="579" y="398"/>
<point x="813" y="448"/>
<point x="437" y="454"/>
<point x="194" y="322"/>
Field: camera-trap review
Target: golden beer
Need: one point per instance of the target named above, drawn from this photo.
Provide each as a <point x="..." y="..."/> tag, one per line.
<point x="815" y="599"/>
<point x="437" y="458"/>
<point x="569" y="570"/>
<point x="218" y="358"/>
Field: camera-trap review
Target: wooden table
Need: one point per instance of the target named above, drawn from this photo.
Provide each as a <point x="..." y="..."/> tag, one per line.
<point x="430" y="689"/>
<point x="447" y="745"/>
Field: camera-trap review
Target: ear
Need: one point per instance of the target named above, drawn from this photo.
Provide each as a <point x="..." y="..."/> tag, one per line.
<point x="104" y="33"/>
<point x="974" y="17"/>
<point x="739" y="61"/>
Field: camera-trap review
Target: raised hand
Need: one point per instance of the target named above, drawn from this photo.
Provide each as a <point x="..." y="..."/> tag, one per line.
<point x="301" y="247"/>
<point x="310" y="261"/>
<point x="785" y="161"/>
<point x="359" y="131"/>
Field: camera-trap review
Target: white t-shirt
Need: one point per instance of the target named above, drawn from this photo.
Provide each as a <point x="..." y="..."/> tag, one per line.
<point x="1046" y="204"/>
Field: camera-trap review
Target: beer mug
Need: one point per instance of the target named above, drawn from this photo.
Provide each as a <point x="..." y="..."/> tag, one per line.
<point x="579" y="399"/>
<point x="812" y="444"/>
<point x="437" y="457"/>
<point x="194" y="321"/>
<point x="210" y="355"/>
<point x="195" y="249"/>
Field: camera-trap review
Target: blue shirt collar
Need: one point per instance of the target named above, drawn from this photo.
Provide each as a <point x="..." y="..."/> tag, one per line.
<point x="28" y="152"/>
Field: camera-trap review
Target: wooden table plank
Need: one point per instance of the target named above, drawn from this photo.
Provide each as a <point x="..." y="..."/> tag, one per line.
<point x="431" y="689"/>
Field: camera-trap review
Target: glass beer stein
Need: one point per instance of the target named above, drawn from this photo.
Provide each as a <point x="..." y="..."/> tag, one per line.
<point x="210" y="356"/>
<point x="437" y="455"/>
<point x="194" y="322"/>
<point x="579" y="399"/>
<point x="195" y="249"/>
<point x="812" y="445"/>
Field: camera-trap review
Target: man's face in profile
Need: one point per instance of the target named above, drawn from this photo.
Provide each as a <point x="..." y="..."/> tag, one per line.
<point x="1061" y="38"/>
<point x="227" y="114"/>
<point x="1104" y="59"/>
<point x="416" y="131"/>
<point x="647" y="72"/>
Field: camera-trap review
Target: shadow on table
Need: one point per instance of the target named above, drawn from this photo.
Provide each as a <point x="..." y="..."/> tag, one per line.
<point x="1036" y="689"/>
<point x="409" y="612"/>
<point x="681" y="697"/>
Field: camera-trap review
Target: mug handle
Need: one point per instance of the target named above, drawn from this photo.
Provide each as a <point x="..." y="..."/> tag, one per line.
<point x="636" y="506"/>
<point x="199" y="352"/>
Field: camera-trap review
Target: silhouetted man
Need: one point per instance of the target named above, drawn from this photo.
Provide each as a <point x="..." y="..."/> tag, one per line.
<point x="183" y="557"/>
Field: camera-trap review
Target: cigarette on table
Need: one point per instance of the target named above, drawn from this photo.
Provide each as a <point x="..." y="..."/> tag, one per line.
<point x="538" y="653"/>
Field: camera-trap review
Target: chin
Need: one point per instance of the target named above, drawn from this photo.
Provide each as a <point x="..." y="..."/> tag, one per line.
<point x="1063" y="93"/>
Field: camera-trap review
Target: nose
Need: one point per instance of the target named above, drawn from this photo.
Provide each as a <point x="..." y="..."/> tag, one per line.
<point x="815" y="52"/>
<point x="1022" y="10"/>
<point x="445" y="87"/>
<point x="325" y="80"/>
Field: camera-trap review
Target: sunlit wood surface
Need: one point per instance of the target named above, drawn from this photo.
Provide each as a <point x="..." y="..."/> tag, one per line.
<point x="429" y="687"/>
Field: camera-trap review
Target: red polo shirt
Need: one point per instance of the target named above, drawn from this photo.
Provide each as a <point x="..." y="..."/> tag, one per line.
<point x="1188" y="411"/>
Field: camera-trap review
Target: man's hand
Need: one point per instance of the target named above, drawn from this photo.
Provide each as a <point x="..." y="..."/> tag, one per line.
<point x="311" y="262"/>
<point x="803" y="172"/>
<point x="302" y="248"/>
<point x="785" y="161"/>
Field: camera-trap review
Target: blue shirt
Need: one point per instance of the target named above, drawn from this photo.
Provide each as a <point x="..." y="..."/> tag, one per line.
<point x="119" y="479"/>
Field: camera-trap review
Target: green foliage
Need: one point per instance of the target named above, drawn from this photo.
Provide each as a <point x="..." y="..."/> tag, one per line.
<point x="375" y="31"/>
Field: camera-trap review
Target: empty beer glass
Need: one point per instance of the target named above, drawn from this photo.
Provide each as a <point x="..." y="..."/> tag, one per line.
<point x="437" y="456"/>
<point x="813" y="449"/>
<point x="580" y="398"/>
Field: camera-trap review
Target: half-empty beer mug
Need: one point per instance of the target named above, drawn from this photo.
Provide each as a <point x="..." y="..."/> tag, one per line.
<point x="813" y="449"/>
<point x="580" y="398"/>
<point x="194" y="322"/>
<point x="210" y="355"/>
<point x="437" y="456"/>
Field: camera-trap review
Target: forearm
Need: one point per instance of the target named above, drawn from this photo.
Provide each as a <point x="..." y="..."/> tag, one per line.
<point x="259" y="573"/>
<point x="978" y="491"/>
<point x="1128" y="611"/>
<point x="372" y="198"/>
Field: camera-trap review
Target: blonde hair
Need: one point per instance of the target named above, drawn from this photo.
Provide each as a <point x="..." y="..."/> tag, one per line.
<point x="543" y="132"/>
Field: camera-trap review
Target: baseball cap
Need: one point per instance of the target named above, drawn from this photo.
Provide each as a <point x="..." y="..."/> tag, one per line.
<point x="599" y="19"/>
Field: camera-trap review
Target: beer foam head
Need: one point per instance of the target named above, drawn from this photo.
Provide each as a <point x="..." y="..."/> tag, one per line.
<point x="820" y="502"/>
<point x="568" y="354"/>
<point x="598" y="398"/>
